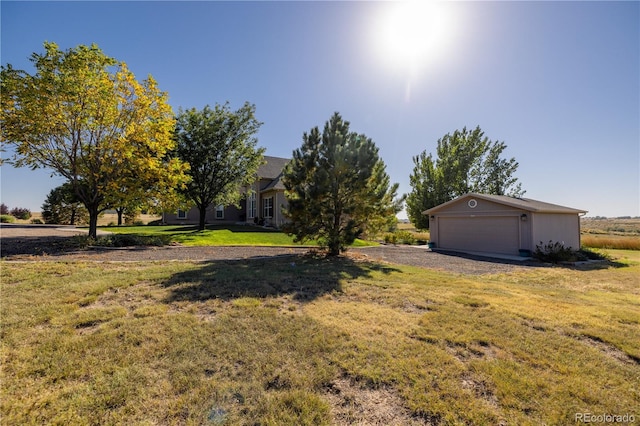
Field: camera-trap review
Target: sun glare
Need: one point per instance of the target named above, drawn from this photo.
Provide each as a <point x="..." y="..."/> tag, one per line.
<point x="412" y="33"/>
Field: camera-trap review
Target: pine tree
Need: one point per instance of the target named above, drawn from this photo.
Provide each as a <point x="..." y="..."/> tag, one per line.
<point x="337" y="187"/>
<point x="62" y="206"/>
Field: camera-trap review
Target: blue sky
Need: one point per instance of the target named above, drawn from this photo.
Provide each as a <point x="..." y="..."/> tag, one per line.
<point x="558" y="82"/>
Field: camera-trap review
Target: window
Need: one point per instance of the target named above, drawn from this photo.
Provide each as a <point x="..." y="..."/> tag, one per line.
<point x="268" y="207"/>
<point x="182" y="214"/>
<point x="252" y="206"/>
<point x="220" y="212"/>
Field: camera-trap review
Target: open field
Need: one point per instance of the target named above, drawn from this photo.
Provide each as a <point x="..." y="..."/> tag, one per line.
<point x="610" y="226"/>
<point x="611" y="233"/>
<point x="105" y="219"/>
<point x="306" y="340"/>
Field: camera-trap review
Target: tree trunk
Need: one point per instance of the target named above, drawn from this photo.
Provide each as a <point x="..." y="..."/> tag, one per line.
<point x="334" y="236"/>
<point x="93" y="222"/>
<point x="120" y="211"/>
<point x="73" y="216"/>
<point x="203" y="215"/>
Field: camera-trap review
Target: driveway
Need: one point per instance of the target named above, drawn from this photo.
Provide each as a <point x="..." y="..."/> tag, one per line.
<point x="46" y="243"/>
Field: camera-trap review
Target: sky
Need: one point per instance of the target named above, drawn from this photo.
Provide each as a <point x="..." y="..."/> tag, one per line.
<point x="557" y="82"/>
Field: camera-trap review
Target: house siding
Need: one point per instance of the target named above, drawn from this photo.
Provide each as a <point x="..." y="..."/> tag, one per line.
<point x="487" y="227"/>
<point x="562" y="228"/>
<point x="267" y="184"/>
<point x="492" y="227"/>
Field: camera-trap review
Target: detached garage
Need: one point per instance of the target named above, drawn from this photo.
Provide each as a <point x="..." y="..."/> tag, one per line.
<point x="501" y="224"/>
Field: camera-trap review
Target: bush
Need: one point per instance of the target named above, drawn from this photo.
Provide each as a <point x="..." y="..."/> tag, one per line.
<point x="5" y="218"/>
<point x="21" y="213"/>
<point x="400" y="237"/>
<point x="405" y="237"/>
<point x="36" y="221"/>
<point x="555" y="252"/>
<point x="390" y="238"/>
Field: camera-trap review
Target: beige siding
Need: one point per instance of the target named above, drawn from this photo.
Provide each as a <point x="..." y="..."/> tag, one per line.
<point x="563" y="228"/>
<point x="482" y="207"/>
<point x="492" y="234"/>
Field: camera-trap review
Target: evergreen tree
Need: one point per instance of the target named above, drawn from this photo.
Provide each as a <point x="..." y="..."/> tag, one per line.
<point x="337" y="187"/>
<point x="466" y="161"/>
<point x="62" y="206"/>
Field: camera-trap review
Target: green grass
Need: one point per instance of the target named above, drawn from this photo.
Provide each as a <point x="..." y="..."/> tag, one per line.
<point x="232" y="235"/>
<point x="309" y="340"/>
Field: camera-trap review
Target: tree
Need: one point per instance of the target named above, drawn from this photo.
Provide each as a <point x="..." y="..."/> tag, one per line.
<point x="466" y="161"/>
<point x="62" y="206"/>
<point x="337" y="187"/>
<point x="220" y="147"/>
<point x="85" y="116"/>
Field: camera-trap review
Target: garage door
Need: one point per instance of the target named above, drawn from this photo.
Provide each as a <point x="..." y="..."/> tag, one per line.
<point x="488" y="234"/>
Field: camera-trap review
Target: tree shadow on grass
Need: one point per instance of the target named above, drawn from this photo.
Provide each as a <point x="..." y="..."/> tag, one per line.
<point x="305" y="277"/>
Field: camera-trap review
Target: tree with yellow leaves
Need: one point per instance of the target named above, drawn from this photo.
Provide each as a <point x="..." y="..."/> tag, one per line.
<point x="84" y="115"/>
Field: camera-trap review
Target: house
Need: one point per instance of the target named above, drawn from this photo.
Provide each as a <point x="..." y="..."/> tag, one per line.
<point x="502" y="224"/>
<point x="261" y="204"/>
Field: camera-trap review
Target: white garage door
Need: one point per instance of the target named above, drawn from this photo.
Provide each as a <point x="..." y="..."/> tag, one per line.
<point x="488" y="234"/>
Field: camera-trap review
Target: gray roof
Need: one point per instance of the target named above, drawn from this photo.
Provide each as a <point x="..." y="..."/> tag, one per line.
<point x="528" y="204"/>
<point x="272" y="169"/>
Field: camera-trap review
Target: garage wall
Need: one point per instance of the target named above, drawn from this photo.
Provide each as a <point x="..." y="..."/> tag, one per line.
<point x="491" y="234"/>
<point x="557" y="228"/>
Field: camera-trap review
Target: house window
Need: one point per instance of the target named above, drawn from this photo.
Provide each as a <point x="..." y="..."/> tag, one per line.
<point x="252" y="205"/>
<point x="268" y="207"/>
<point x="182" y="214"/>
<point x="220" y="212"/>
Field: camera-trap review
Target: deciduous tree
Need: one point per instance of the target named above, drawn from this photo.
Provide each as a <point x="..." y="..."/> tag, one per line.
<point x="220" y="146"/>
<point x="85" y="116"/>
<point x="466" y="161"/>
<point x="337" y="187"/>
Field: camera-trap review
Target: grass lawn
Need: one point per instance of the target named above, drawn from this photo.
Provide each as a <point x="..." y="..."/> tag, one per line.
<point x="232" y="235"/>
<point x="306" y="340"/>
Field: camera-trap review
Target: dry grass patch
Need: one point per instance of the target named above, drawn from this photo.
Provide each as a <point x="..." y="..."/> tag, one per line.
<point x="619" y="242"/>
<point x="306" y="340"/>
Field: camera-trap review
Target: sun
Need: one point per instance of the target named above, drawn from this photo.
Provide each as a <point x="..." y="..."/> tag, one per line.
<point x="410" y="34"/>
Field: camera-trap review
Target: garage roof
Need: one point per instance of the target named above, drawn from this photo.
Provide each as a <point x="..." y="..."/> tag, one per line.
<point x="519" y="203"/>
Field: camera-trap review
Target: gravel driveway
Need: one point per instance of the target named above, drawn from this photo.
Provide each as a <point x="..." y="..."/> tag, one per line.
<point x="46" y="243"/>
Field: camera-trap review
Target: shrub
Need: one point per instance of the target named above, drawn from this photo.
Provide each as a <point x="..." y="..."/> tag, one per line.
<point x="401" y="237"/>
<point x="21" y="213"/>
<point x="36" y="221"/>
<point x="405" y="237"/>
<point x="555" y="252"/>
<point x="5" y="218"/>
<point x="390" y="238"/>
<point x="128" y="240"/>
